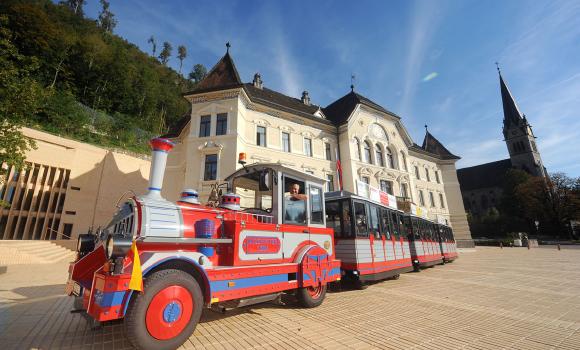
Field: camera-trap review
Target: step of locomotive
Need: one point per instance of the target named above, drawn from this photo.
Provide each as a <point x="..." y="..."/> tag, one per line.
<point x="14" y="252"/>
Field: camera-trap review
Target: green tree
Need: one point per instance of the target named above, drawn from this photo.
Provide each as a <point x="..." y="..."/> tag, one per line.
<point x="197" y="73"/>
<point x="107" y="19"/>
<point x="153" y="45"/>
<point x="76" y="6"/>
<point x="181" y="55"/>
<point x="165" y="53"/>
<point x="20" y="97"/>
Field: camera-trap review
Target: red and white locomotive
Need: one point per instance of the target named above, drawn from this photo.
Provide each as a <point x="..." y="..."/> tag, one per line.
<point x="159" y="263"/>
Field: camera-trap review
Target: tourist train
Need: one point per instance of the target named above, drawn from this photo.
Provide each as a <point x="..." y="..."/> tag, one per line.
<point x="159" y="263"/>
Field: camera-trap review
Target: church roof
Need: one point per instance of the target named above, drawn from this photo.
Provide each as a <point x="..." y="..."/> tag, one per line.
<point x="339" y="111"/>
<point x="279" y="101"/>
<point x="432" y="145"/>
<point x="511" y="112"/>
<point x="484" y="175"/>
<point x="222" y="76"/>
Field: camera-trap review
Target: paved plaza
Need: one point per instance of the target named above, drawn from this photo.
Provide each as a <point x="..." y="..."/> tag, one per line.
<point x="490" y="298"/>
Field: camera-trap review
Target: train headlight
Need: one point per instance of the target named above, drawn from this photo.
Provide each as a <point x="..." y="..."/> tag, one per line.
<point x="118" y="246"/>
<point x="85" y="244"/>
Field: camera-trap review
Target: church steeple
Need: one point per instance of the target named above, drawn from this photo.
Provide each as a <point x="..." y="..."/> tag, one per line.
<point x="518" y="134"/>
<point x="223" y="75"/>
<point x="511" y="112"/>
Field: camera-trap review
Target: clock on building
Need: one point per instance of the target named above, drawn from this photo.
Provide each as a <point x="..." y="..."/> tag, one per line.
<point x="378" y="132"/>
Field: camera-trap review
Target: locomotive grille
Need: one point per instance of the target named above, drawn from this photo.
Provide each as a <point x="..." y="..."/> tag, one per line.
<point x="123" y="221"/>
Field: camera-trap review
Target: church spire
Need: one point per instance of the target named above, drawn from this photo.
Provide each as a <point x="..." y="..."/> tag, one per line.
<point x="511" y="112"/>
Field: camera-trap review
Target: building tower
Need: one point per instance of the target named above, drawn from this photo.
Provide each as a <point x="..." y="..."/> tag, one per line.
<point x="518" y="135"/>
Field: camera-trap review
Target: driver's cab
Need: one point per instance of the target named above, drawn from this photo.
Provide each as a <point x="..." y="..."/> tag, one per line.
<point x="279" y="194"/>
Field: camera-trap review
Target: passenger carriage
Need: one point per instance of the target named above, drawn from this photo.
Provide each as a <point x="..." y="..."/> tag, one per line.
<point x="370" y="239"/>
<point x="447" y="243"/>
<point x="159" y="263"/>
<point x="423" y="241"/>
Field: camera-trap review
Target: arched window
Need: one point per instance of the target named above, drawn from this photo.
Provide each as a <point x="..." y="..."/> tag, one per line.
<point x="379" y="155"/>
<point x="357" y="149"/>
<point x="390" y="159"/>
<point x="367" y="153"/>
<point x="403" y="161"/>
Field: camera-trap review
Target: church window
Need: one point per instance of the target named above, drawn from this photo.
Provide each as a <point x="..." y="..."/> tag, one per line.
<point x="307" y="147"/>
<point x="357" y="154"/>
<point x="386" y="186"/>
<point x="390" y="159"/>
<point x="417" y="173"/>
<point x="261" y="136"/>
<point x="210" y="171"/>
<point x="286" y="142"/>
<point x="379" y="155"/>
<point x="421" y="198"/>
<point x="403" y="161"/>
<point x="404" y="192"/>
<point x="205" y="125"/>
<point x="367" y="152"/>
<point x="221" y="127"/>
<point x="327" y="151"/>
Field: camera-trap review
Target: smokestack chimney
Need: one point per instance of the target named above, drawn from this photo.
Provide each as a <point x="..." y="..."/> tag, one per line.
<point x="258" y="81"/>
<point x="305" y="98"/>
<point x="161" y="147"/>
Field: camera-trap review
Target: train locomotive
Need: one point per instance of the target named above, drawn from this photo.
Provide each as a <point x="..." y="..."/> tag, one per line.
<point x="159" y="263"/>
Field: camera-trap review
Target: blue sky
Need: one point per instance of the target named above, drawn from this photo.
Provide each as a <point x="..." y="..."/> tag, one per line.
<point x="431" y="62"/>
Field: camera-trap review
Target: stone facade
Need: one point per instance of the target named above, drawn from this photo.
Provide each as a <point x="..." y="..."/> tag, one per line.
<point x="229" y="117"/>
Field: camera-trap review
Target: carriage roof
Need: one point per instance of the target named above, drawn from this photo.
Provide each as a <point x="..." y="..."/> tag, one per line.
<point x="276" y="167"/>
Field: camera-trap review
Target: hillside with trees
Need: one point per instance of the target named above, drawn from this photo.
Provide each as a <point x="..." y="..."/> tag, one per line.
<point x="71" y="75"/>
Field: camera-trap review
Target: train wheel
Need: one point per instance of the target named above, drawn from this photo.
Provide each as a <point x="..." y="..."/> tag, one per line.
<point x="165" y="315"/>
<point x="311" y="296"/>
<point x="360" y="285"/>
<point x="396" y="277"/>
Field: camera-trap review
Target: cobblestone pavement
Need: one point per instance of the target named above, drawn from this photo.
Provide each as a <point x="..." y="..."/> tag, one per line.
<point x="488" y="299"/>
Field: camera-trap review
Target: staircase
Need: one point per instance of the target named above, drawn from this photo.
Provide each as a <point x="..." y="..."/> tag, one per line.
<point x="16" y="252"/>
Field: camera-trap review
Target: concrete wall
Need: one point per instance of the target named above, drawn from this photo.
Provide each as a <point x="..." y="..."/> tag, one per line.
<point x="97" y="178"/>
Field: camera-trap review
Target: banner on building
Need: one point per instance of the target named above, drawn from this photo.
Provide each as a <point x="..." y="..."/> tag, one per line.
<point x="376" y="195"/>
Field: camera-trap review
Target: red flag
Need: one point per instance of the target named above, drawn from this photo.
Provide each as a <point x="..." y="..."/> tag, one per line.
<point x="338" y="170"/>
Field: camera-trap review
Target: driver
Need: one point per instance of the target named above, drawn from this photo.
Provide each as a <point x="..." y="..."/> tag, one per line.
<point x="295" y="205"/>
<point x="294" y="194"/>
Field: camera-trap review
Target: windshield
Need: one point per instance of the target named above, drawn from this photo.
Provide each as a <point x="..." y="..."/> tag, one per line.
<point x="255" y="190"/>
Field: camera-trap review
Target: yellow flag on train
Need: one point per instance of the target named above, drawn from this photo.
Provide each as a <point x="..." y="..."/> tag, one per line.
<point x="136" y="282"/>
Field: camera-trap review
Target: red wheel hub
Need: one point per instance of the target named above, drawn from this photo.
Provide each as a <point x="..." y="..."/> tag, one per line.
<point x="315" y="291"/>
<point x="169" y="312"/>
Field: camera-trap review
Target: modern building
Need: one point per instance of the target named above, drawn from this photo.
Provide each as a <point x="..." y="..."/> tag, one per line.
<point x="67" y="188"/>
<point x="229" y="116"/>
<point x="482" y="185"/>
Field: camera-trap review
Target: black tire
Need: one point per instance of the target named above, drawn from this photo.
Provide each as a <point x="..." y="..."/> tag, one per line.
<point x="396" y="277"/>
<point x="135" y="319"/>
<point x="311" y="297"/>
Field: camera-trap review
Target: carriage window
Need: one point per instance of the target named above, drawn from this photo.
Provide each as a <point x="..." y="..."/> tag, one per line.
<point x="294" y="202"/>
<point x="402" y="225"/>
<point x="395" y="224"/>
<point x="385" y="224"/>
<point x="316" y="205"/>
<point x="252" y="195"/>
<point x="346" y="219"/>
<point x="360" y="220"/>
<point x="416" y="228"/>
<point x="333" y="216"/>
<point x="374" y="220"/>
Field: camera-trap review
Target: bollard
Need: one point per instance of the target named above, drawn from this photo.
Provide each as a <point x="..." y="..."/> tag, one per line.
<point x="500" y="245"/>
<point x="559" y="246"/>
<point x="528" y="244"/>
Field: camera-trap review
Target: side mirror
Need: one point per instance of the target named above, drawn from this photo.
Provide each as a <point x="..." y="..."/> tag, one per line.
<point x="265" y="181"/>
